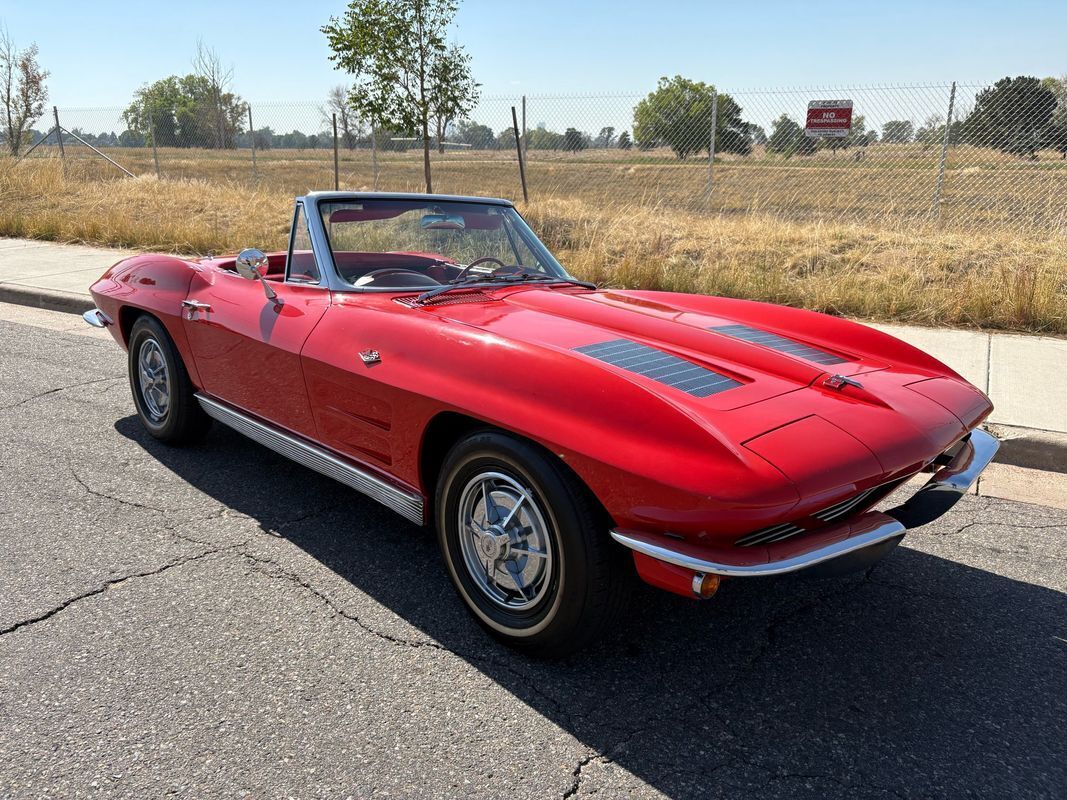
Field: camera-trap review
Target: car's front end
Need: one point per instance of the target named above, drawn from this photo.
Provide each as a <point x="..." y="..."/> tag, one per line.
<point x="844" y="536"/>
<point x="733" y="439"/>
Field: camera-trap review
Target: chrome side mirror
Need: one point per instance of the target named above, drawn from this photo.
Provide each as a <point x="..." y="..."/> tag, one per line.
<point x="252" y="264"/>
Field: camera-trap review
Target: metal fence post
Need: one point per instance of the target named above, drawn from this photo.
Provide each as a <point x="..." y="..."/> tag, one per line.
<point x="155" y="153"/>
<point x="944" y="152"/>
<point x="252" y="141"/>
<point x="59" y="138"/>
<point x="374" y="153"/>
<point x="518" y="151"/>
<point x="336" y="166"/>
<point x="711" y="142"/>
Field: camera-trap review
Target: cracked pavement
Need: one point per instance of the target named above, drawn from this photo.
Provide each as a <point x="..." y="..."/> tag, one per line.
<point x="217" y="621"/>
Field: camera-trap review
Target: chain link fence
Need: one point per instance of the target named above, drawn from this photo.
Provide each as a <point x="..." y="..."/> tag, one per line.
<point x="963" y="155"/>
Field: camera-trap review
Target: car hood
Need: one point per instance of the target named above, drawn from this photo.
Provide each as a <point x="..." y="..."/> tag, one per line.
<point x="899" y="408"/>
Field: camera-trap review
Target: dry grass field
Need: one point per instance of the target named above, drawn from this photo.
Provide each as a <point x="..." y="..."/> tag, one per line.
<point x="890" y="185"/>
<point x="817" y="234"/>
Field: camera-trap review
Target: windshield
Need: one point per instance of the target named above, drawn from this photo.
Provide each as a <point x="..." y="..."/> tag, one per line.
<point x="416" y="244"/>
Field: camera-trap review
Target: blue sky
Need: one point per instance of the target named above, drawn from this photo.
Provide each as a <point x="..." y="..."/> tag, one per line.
<point x="100" y="52"/>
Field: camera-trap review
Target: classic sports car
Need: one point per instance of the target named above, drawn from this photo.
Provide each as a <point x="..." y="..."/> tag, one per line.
<point x="430" y="352"/>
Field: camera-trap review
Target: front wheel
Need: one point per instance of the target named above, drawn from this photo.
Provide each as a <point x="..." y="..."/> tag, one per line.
<point x="164" y="395"/>
<point x="526" y="546"/>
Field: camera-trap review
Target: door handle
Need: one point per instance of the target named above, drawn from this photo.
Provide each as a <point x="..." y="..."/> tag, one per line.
<point x="196" y="305"/>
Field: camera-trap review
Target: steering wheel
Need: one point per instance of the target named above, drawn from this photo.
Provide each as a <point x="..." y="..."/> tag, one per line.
<point x="476" y="262"/>
<point x="403" y="276"/>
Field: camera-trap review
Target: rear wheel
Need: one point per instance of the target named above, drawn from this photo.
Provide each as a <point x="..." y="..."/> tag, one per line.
<point x="164" y="395"/>
<point x="525" y="545"/>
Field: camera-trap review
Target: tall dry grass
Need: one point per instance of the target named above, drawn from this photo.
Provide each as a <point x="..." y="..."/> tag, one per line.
<point x="997" y="278"/>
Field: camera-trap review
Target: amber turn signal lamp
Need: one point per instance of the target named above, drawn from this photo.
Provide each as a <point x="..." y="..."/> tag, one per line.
<point x="705" y="585"/>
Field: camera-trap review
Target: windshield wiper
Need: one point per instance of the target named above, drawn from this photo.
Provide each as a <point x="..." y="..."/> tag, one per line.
<point x="487" y="280"/>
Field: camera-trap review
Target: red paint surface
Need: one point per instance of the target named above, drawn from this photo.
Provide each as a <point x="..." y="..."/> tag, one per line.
<point x="780" y="446"/>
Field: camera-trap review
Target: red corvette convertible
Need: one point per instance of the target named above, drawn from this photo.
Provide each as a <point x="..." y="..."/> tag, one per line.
<point x="431" y="353"/>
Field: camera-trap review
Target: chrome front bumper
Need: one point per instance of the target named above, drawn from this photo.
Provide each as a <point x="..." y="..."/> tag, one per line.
<point x="97" y="318"/>
<point x="874" y="531"/>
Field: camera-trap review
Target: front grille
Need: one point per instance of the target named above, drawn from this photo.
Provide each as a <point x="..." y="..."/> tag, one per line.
<point x="845" y="507"/>
<point x="836" y="513"/>
<point x="775" y="533"/>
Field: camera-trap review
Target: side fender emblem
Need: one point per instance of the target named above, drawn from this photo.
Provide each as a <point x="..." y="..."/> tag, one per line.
<point x="840" y="382"/>
<point x="370" y="357"/>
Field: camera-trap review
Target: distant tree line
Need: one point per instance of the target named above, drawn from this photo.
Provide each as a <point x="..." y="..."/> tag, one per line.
<point x="1019" y="116"/>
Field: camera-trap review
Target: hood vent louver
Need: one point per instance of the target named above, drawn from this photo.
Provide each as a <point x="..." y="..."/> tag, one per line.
<point x="780" y="343"/>
<point x="659" y="366"/>
<point x="449" y="299"/>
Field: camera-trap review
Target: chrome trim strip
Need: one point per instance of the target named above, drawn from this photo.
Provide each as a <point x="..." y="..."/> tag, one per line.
<point x="406" y="504"/>
<point x="889" y="529"/>
<point x="967" y="465"/>
<point x="949" y="483"/>
<point x="97" y="318"/>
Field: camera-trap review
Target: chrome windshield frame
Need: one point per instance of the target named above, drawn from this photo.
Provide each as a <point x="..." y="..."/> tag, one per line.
<point x="331" y="277"/>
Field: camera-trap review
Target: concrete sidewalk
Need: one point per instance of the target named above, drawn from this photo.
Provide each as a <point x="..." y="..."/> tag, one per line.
<point x="1025" y="376"/>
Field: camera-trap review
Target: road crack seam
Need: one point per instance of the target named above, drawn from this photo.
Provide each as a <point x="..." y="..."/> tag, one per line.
<point x="108" y="585"/>
<point x="260" y="564"/>
<point x="60" y="389"/>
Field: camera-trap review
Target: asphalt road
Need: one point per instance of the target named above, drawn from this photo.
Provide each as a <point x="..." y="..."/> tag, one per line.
<point x="217" y="621"/>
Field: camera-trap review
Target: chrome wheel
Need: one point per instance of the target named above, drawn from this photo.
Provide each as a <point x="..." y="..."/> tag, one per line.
<point x="154" y="379"/>
<point x="505" y="541"/>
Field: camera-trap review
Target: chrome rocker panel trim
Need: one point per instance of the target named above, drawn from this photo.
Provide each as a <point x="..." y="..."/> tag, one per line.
<point x="406" y="504"/>
<point x="97" y="318"/>
<point x="877" y="528"/>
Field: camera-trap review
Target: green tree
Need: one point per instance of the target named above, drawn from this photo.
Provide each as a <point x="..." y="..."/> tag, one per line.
<point x="406" y="76"/>
<point x="505" y="140"/>
<point x="753" y="133"/>
<point x="1011" y="115"/>
<point x="606" y="137"/>
<point x="898" y="131"/>
<point x="131" y="139"/>
<point x="678" y="114"/>
<point x="186" y="112"/>
<point x="574" y="140"/>
<point x="932" y="132"/>
<point x="788" y="138"/>
<point x="455" y="93"/>
<point x="625" y="142"/>
<point x="154" y="112"/>
<point x="1056" y="132"/>
<point x="22" y="92"/>
<point x="540" y="138"/>
<point x="479" y="137"/>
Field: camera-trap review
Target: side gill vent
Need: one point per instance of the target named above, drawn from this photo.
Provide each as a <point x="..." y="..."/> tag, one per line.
<point x="779" y="343"/>
<point x="659" y="366"/>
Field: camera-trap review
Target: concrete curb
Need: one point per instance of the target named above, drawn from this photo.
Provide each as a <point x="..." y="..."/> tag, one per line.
<point x="1029" y="448"/>
<point x="51" y="299"/>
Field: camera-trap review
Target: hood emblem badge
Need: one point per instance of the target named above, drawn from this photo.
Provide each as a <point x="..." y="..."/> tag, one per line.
<point x="840" y="382"/>
<point x="370" y="357"/>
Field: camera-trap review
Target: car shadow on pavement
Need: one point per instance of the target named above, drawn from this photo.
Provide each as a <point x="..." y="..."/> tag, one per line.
<point x="923" y="677"/>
